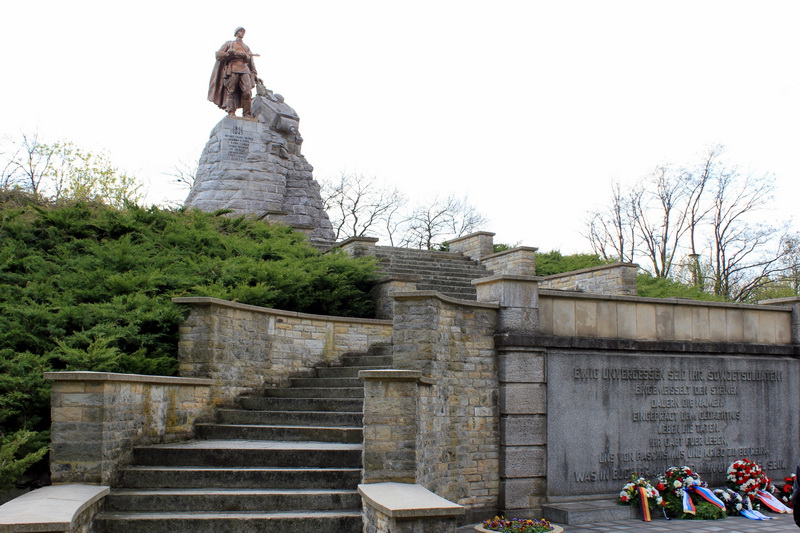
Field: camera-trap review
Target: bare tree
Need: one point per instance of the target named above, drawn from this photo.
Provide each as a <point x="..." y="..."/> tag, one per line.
<point x="431" y="225"/>
<point x="743" y="253"/>
<point x="184" y="173"/>
<point x="29" y="164"/>
<point x="705" y="214"/>
<point x="358" y="205"/>
<point x="611" y="230"/>
<point x="660" y="214"/>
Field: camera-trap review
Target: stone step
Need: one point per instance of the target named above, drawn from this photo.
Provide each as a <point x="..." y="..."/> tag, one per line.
<point x="232" y="453"/>
<point x="218" y="500"/>
<point x="417" y="268"/>
<point x="187" y="477"/>
<point x="303" y="418"/>
<point x="389" y="251"/>
<point x="433" y="286"/>
<point x="341" y="393"/>
<point x="232" y="522"/>
<point x="332" y="383"/>
<point x="344" y="371"/>
<point x="587" y="511"/>
<point x="280" y="433"/>
<point x="304" y="402"/>
<point x="376" y="361"/>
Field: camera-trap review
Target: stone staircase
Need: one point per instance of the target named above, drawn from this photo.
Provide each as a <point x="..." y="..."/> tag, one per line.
<point x="288" y="461"/>
<point x="447" y="272"/>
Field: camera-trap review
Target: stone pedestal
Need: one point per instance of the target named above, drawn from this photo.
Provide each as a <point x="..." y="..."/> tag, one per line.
<point x="254" y="167"/>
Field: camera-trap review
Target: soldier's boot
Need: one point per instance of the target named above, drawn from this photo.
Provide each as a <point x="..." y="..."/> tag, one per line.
<point x="247" y="107"/>
<point x="230" y="105"/>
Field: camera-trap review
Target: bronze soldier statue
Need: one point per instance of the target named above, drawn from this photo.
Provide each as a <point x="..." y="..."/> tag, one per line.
<point x="233" y="77"/>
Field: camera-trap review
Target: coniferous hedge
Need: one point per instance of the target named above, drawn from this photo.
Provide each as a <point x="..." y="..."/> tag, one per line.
<point x="89" y="287"/>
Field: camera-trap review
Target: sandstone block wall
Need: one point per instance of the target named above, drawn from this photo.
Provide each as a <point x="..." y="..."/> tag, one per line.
<point x="662" y="319"/>
<point x="475" y="245"/>
<point x="244" y="347"/>
<point x="517" y="261"/>
<point x="97" y="419"/>
<point x="618" y="280"/>
<point x="457" y="442"/>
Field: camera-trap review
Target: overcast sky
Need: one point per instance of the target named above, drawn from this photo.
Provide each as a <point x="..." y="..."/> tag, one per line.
<point x="530" y="108"/>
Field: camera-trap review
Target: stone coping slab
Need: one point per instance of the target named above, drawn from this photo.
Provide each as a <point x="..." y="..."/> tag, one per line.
<point x="555" y="293"/>
<point x="510" y="251"/>
<point x="418" y="295"/>
<point x="406" y="500"/>
<point x="52" y="508"/>
<point x="204" y="300"/>
<point x="506" y="277"/>
<point x="129" y="378"/>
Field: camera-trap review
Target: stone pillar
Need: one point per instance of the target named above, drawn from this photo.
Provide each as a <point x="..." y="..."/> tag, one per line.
<point x="794" y="303"/>
<point x="519" y="261"/>
<point x="518" y="297"/>
<point x="523" y="430"/>
<point x="390" y="425"/>
<point x="474" y="245"/>
<point x="357" y="246"/>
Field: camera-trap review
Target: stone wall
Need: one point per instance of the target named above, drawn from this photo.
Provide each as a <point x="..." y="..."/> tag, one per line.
<point x="475" y="245"/>
<point x="618" y="279"/>
<point x="97" y="419"/>
<point x="661" y="319"/>
<point x="450" y="342"/>
<point x="517" y="261"/>
<point x="244" y="347"/>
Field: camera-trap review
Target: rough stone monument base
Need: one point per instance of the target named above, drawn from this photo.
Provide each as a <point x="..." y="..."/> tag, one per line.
<point x="254" y="167"/>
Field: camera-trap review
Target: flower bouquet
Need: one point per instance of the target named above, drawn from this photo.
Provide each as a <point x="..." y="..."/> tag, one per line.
<point x="518" y="525"/>
<point x="734" y="503"/>
<point x="786" y="490"/>
<point x="631" y="495"/>
<point x="687" y="496"/>
<point x="747" y="477"/>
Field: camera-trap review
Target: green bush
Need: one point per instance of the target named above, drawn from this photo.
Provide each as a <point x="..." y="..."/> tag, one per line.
<point x="551" y="263"/>
<point x="653" y="287"/>
<point x="89" y="287"/>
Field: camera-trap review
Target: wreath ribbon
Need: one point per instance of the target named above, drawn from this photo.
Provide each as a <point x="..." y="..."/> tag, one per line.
<point x="688" y="504"/>
<point x="773" y="503"/>
<point x="643" y="503"/>
<point x="707" y="495"/>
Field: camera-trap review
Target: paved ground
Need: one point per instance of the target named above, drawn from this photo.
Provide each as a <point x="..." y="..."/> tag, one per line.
<point x="781" y="524"/>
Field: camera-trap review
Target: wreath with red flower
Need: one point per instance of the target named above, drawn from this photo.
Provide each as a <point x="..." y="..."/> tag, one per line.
<point x="786" y="490"/>
<point x="748" y="477"/>
<point x="672" y="485"/>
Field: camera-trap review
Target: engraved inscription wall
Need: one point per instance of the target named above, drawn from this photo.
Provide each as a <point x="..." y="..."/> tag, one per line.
<point x="236" y="144"/>
<point x="612" y="415"/>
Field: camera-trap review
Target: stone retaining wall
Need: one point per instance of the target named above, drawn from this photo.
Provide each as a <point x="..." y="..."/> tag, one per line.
<point x="618" y="279"/>
<point x="245" y="347"/>
<point x="98" y="417"/>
